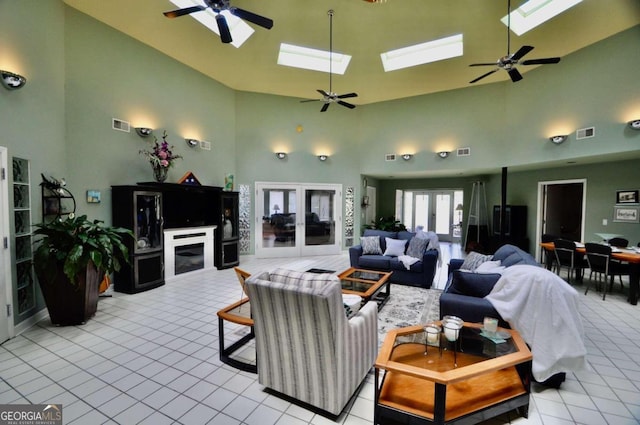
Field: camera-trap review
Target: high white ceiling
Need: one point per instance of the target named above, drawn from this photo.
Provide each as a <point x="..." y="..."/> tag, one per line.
<point x="363" y="30"/>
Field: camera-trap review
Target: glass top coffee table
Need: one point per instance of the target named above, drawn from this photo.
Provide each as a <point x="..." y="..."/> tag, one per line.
<point x="368" y="284"/>
<point x="466" y="381"/>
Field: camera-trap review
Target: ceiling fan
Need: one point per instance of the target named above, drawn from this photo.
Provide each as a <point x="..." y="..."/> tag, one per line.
<point x="509" y="62"/>
<point x="330" y="97"/>
<point x="219" y="6"/>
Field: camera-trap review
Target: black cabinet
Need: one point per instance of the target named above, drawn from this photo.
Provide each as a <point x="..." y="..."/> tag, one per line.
<point x="227" y="245"/>
<point x="514" y="226"/>
<point x="139" y="209"/>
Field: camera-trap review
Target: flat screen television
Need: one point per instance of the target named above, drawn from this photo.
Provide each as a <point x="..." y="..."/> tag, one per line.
<point x="188" y="207"/>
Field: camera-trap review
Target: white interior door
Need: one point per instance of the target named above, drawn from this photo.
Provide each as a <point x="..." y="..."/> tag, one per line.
<point x="298" y="219"/>
<point x="6" y="321"/>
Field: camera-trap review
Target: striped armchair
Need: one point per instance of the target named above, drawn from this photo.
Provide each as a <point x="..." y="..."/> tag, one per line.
<point x="305" y="346"/>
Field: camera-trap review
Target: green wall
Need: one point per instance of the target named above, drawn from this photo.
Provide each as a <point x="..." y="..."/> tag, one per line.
<point x="82" y="73"/>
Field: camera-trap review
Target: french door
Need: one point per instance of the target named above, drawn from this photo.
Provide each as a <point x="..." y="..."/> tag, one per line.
<point x="436" y="211"/>
<point x="298" y="219"/>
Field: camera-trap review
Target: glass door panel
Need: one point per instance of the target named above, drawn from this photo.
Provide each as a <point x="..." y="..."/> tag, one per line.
<point x="443" y="216"/>
<point x="294" y="219"/>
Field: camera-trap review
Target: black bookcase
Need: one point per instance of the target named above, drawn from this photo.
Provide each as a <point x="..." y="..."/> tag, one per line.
<point x="139" y="209"/>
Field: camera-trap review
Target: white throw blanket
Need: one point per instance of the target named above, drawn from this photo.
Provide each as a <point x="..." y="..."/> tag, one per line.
<point x="544" y="310"/>
<point x="407" y="260"/>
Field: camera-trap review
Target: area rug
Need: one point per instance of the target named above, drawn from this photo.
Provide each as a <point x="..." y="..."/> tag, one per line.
<point x="408" y="306"/>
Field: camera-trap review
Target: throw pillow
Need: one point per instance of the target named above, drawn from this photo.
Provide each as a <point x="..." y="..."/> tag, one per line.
<point x="473" y="284"/>
<point x="370" y="245"/>
<point x="490" y="267"/>
<point x="395" y="247"/>
<point x="473" y="260"/>
<point x="417" y="247"/>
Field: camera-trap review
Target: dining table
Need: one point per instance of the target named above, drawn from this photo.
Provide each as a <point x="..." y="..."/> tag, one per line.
<point x="629" y="255"/>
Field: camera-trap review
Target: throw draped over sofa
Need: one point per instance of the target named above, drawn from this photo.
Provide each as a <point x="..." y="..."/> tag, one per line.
<point x="306" y="347"/>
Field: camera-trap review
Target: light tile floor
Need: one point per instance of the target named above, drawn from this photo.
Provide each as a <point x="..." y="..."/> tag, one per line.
<point x="152" y="358"/>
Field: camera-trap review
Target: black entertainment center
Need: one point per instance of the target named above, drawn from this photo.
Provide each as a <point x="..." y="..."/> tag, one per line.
<point x="178" y="206"/>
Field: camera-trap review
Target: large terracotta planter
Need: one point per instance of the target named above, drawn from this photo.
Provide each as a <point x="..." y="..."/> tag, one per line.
<point x="71" y="303"/>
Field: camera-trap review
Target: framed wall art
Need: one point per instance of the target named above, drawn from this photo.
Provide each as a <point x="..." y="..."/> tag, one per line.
<point x="627" y="197"/>
<point x="626" y="214"/>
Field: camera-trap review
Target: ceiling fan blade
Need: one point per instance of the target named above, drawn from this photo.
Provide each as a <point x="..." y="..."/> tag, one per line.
<point x="323" y="93"/>
<point x="348" y="105"/>
<point x="344" y="96"/>
<point x="542" y="61"/>
<point x="223" y="27"/>
<point x="514" y="74"/>
<point x="181" y="12"/>
<point x="252" y="17"/>
<point x="325" y="107"/>
<point x="520" y="53"/>
<point x="483" y="75"/>
<point x="310" y="100"/>
<point x="484" y="64"/>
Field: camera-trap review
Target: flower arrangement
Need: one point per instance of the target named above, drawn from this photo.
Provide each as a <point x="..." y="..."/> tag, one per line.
<point x="160" y="155"/>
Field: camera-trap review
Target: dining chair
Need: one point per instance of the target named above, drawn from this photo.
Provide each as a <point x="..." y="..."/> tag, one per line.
<point x="549" y="259"/>
<point x="619" y="242"/>
<point x="566" y="256"/>
<point x="606" y="268"/>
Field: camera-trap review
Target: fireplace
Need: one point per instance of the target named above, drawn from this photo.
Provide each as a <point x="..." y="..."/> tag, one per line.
<point x="188" y="250"/>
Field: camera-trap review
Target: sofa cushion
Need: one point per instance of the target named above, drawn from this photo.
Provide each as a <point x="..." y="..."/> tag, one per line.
<point x="404" y="235"/>
<point x="510" y="255"/>
<point x="416" y="247"/>
<point x="374" y="262"/>
<point x="370" y="245"/>
<point x="473" y="284"/>
<point x="473" y="260"/>
<point x="395" y="247"/>
<point x="306" y="280"/>
<point x="382" y="234"/>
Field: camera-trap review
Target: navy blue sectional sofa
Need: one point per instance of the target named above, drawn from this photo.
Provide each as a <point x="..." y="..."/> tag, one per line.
<point x="420" y="274"/>
<point x="465" y="291"/>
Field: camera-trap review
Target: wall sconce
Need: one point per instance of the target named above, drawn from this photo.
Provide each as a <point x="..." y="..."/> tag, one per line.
<point x="443" y="154"/>
<point x="12" y="81"/>
<point x="281" y="155"/>
<point x="558" y="139"/>
<point x="144" y="131"/>
<point x="407" y="156"/>
<point x="323" y="157"/>
<point x="192" y="143"/>
<point x="634" y="124"/>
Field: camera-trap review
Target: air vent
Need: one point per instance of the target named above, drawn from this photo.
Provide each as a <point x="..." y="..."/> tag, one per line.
<point x="464" y="151"/>
<point x="390" y="157"/>
<point x="585" y="133"/>
<point x="205" y="145"/>
<point x="120" y="125"/>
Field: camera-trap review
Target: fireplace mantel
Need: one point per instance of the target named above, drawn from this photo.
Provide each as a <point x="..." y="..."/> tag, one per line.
<point x="180" y="237"/>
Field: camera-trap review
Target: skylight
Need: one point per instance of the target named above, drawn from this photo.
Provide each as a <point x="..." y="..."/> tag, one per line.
<point x="313" y="59"/>
<point x="240" y="30"/>
<point x="431" y="51"/>
<point x="535" y="12"/>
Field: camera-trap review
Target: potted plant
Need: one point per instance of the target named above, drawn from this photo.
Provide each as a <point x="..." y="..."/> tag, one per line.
<point x="71" y="259"/>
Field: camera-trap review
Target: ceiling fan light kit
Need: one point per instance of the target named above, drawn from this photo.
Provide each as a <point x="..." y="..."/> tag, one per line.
<point x="330" y="97"/>
<point x="219" y="6"/>
<point x="509" y="62"/>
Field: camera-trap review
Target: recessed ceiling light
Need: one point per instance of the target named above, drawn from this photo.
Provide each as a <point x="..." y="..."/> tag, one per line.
<point x="240" y="30"/>
<point x="418" y="54"/>
<point x="313" y="59"/>
<point x="535" y="12"/>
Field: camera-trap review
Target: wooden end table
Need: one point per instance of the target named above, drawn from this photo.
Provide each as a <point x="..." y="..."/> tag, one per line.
<point x="489" y="380"/>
